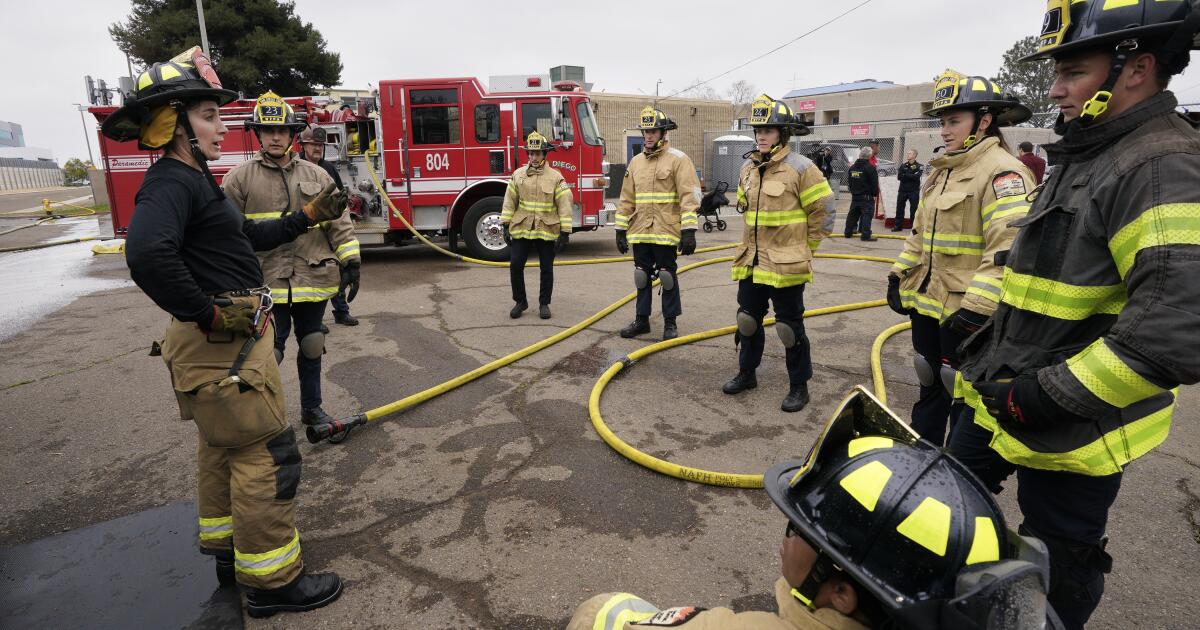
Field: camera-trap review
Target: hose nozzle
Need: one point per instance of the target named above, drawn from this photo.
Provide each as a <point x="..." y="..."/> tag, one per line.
<point x="326" y="430"/>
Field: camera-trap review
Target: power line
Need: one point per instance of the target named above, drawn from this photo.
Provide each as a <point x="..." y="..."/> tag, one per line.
<point x="773" y="50"/>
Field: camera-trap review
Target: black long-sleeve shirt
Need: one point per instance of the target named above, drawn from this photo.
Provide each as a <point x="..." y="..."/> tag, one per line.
<point x="863" y="179"/>
<point x="186" y="243"/>
<point x="909" y="175"/>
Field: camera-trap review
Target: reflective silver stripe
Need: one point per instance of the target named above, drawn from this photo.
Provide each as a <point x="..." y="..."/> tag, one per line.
<point x="623" y="612"/>
<point x="986" y="288"/>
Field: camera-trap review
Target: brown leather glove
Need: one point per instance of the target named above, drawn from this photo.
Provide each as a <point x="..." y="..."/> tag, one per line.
<point x="327" y="205"/>
<point x="231" y="318"/>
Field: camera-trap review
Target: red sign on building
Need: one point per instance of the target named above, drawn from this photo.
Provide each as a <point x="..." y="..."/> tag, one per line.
<point x="806" y="106"/>
<point x="860" y="131"/>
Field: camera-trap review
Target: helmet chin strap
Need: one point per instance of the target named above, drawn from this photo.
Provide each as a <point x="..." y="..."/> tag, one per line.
<point x="194" y="144"/>
<point x="1098" y="104"/>
<point x="974" y="137"/>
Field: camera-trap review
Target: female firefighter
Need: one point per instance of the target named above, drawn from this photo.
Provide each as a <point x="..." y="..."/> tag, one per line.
<point x="536" y="215"/>
<point x="784" y="196"/>
<point x="947" y="278"/>
<point x="192" y="252"/>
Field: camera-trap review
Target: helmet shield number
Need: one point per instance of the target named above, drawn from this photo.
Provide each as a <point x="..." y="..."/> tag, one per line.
<point x="760" y="110"/>
<point x="945" y="91"/>
<point x="649" y="118"/>
<point x="1054" y="24"/>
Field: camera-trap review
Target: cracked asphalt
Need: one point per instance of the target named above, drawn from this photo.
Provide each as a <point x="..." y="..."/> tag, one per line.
<point x="496" y="505"/>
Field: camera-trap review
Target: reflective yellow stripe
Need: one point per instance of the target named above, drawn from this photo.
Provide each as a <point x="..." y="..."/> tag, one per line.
<point x="815" y="192"/>
<point x="928" y="525"/>
<point x="922" y="304"/>
<point x="906" y="260"/>
<point x="953" y="244"/>
<point x="1003" y="207"/>
<point x="562" y="191"/>
<point x="512" y="185"/>
<point x="866" y="483"/>
<point x="304" y="294"/>
<point x="984" y="546"/>
<point x="654" y="239"/>
<point x="1160" y="226"/>
<point x="777" y="280"/>
<point x="537" y="207"/>
<point x="540" y="235"/>
<point x="263" y="216"/>
<point x="215" y="528"/>
<point x="347" y="249"/>
<point x="985" y="287"/>
<point x="741" y="196"/>
<point x="267" y="562"/>
<point x="776" y="218"/>
<point x="621" y="609"/>
<point x="1103" y="373"/>
<point x="1059" y="299"/>
<point x="648" y="198"/>
<point x="622" y="222"/>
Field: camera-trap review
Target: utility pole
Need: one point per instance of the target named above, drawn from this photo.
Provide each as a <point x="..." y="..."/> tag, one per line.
<point x="203" y="32"/>
<point x="83" y="122"/>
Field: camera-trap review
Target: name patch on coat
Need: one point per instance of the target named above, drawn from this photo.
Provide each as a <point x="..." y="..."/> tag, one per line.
<point x="670" y="617"/>
<point x="1008" y="184"/>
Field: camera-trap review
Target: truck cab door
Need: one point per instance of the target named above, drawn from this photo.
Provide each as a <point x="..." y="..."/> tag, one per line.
<point x="435" y="138"/>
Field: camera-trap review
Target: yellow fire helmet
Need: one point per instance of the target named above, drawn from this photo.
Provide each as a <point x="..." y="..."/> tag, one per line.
<point x="270" y="110"/>
<point x="768" y="112"/>
<point x="538" y="142"/>
<point x="654" y="119"/>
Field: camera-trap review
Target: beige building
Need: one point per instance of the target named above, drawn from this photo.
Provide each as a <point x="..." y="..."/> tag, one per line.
<point x="618" y="116"/>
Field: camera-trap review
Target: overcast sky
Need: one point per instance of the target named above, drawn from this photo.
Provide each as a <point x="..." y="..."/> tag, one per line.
<point x="626" y="47"/>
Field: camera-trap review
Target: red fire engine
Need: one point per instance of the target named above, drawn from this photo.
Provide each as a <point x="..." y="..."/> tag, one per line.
<point x="443" y="150"/>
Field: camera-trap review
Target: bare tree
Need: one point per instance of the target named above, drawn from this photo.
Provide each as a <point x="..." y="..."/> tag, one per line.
<point x="741" y="93"/>
<point x="701" y="90"/>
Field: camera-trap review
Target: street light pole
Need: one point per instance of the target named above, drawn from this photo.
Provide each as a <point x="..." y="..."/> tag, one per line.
<point x="203" y="31"/>
<point x="83" y="122"/>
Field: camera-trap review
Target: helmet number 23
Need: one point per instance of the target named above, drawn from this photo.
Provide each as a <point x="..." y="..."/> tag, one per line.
<point x="437" y="161"/>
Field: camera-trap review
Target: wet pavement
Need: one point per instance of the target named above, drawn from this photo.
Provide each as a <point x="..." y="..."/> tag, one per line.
<point x="496" y="505"/>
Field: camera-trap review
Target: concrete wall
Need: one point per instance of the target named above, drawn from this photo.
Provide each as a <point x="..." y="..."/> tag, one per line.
<point x="617" y="113"/>
<point x="861" y="106"/>
<point x="28" y="175"/>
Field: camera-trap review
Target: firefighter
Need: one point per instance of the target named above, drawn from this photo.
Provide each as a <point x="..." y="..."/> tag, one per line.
<point x="1075" y="375"/>
<point x="863" y="181"/>
<point x="786" y="200"/>
<point x="947" y="278"/>
<point x="883" y="531"/>
<point x="304" y="274"/>
<point x="536" y="216"/>
<point x="312" y="148"/>
<point x="192" y="252"/>
<point x="659" y="200"/>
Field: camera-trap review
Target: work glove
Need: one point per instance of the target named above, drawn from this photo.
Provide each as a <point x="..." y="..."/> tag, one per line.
<point x="561" y="243"/>
<point x="961" y="324"/>
<point x="1022" y="403"/>
<point x="687" y="243"/>
<point x="507" y="236"/>
<point x="230" y="318"/>
<point x="622" y="244"/>
<point x="893" y="295"/>
<point x="327" y="205"/>
<point x="350" y="278"/>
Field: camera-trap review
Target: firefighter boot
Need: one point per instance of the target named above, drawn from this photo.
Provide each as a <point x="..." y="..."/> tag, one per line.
<point x="224" y="562"/>
<point x="544" y="311"/>
<point x="639" y="326"/>
<point x="796" y="399"/>
<point x="744" y="380"/>
<point x="345" y="319"/>
<point x="517" y="309"/>
<point x="307" y="592"/>
<point x="316" y="415"/>
<point x="670" y="330"/>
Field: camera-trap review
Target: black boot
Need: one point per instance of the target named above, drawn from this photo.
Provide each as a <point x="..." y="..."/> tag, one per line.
<point x="670" y="331"/>
<point x="517" y="309"/>
<point x="316" y="415"/>
<point x="544" y="311"/>
<point x="345" y="319"/>
<point x="797" y="398"/>
<point x="639" y="326"/>
<point x="224" y="563"/>
<point x="307" y="592"/>
<point x="744" y="380"/>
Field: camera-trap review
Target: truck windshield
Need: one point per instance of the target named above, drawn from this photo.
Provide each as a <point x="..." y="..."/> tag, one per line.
<point x="587" y="123"/>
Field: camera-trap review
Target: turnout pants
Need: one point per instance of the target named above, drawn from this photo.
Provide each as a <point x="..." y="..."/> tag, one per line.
<point x="248" y="466"/>
<point x="1067" y="511"/>
<point x="519" y="250"/>
<point x="934" y="407"/>
<point x="862" y="212"/>
<point x="913" y="199"/>
<point x="339" y="303"/>
<point x="789" y="308"/>
<point x="651" y="258"/>
<point x="307" y="317"/>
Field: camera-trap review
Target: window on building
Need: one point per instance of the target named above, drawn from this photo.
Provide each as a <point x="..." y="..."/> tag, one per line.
<point x="831" y="117"/>
<point x="487" y="123"/>
<point x="435" y="118"/>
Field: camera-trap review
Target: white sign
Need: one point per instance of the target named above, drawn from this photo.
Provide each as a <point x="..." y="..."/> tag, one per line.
<point x="128" y="163"/>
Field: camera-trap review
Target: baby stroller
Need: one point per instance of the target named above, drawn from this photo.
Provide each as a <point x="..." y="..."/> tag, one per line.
<point x="710" y="207"/>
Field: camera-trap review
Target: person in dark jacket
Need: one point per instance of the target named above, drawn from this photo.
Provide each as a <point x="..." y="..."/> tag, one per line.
<point x="863" y="181"/>
<point x="1030" y="159"/>
<point x="909" y="175"/>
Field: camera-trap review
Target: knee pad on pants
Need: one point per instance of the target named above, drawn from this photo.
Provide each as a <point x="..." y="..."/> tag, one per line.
<point x="948" y="375"/>
<point x="667" y="279"/>
<point x="641" y="279"/>
<point x="312" y="345"/>
<point x="747" y="324"/>
<point x="789" y="333"/>
<point x="926" y="375"/>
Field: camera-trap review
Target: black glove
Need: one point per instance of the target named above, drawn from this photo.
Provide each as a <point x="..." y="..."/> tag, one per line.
<point x="561" y="243"/>
<point x="1022" y="403"/>
<point x="893" y="295"/>
<point x="687" y="243"/>
<point x="507" y="236"/>
<point x="622" y="244"/>
<point x="350" y="278"/>
<point x="955" y="330"/>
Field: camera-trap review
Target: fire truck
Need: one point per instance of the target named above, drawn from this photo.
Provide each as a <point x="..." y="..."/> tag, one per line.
<point x="443" y="151"/>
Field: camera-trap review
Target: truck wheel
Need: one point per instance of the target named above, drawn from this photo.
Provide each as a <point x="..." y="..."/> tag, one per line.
<point x="482" y="232"/>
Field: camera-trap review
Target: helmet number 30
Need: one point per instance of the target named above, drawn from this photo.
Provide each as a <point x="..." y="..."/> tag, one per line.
<point x="437" y="161"/>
